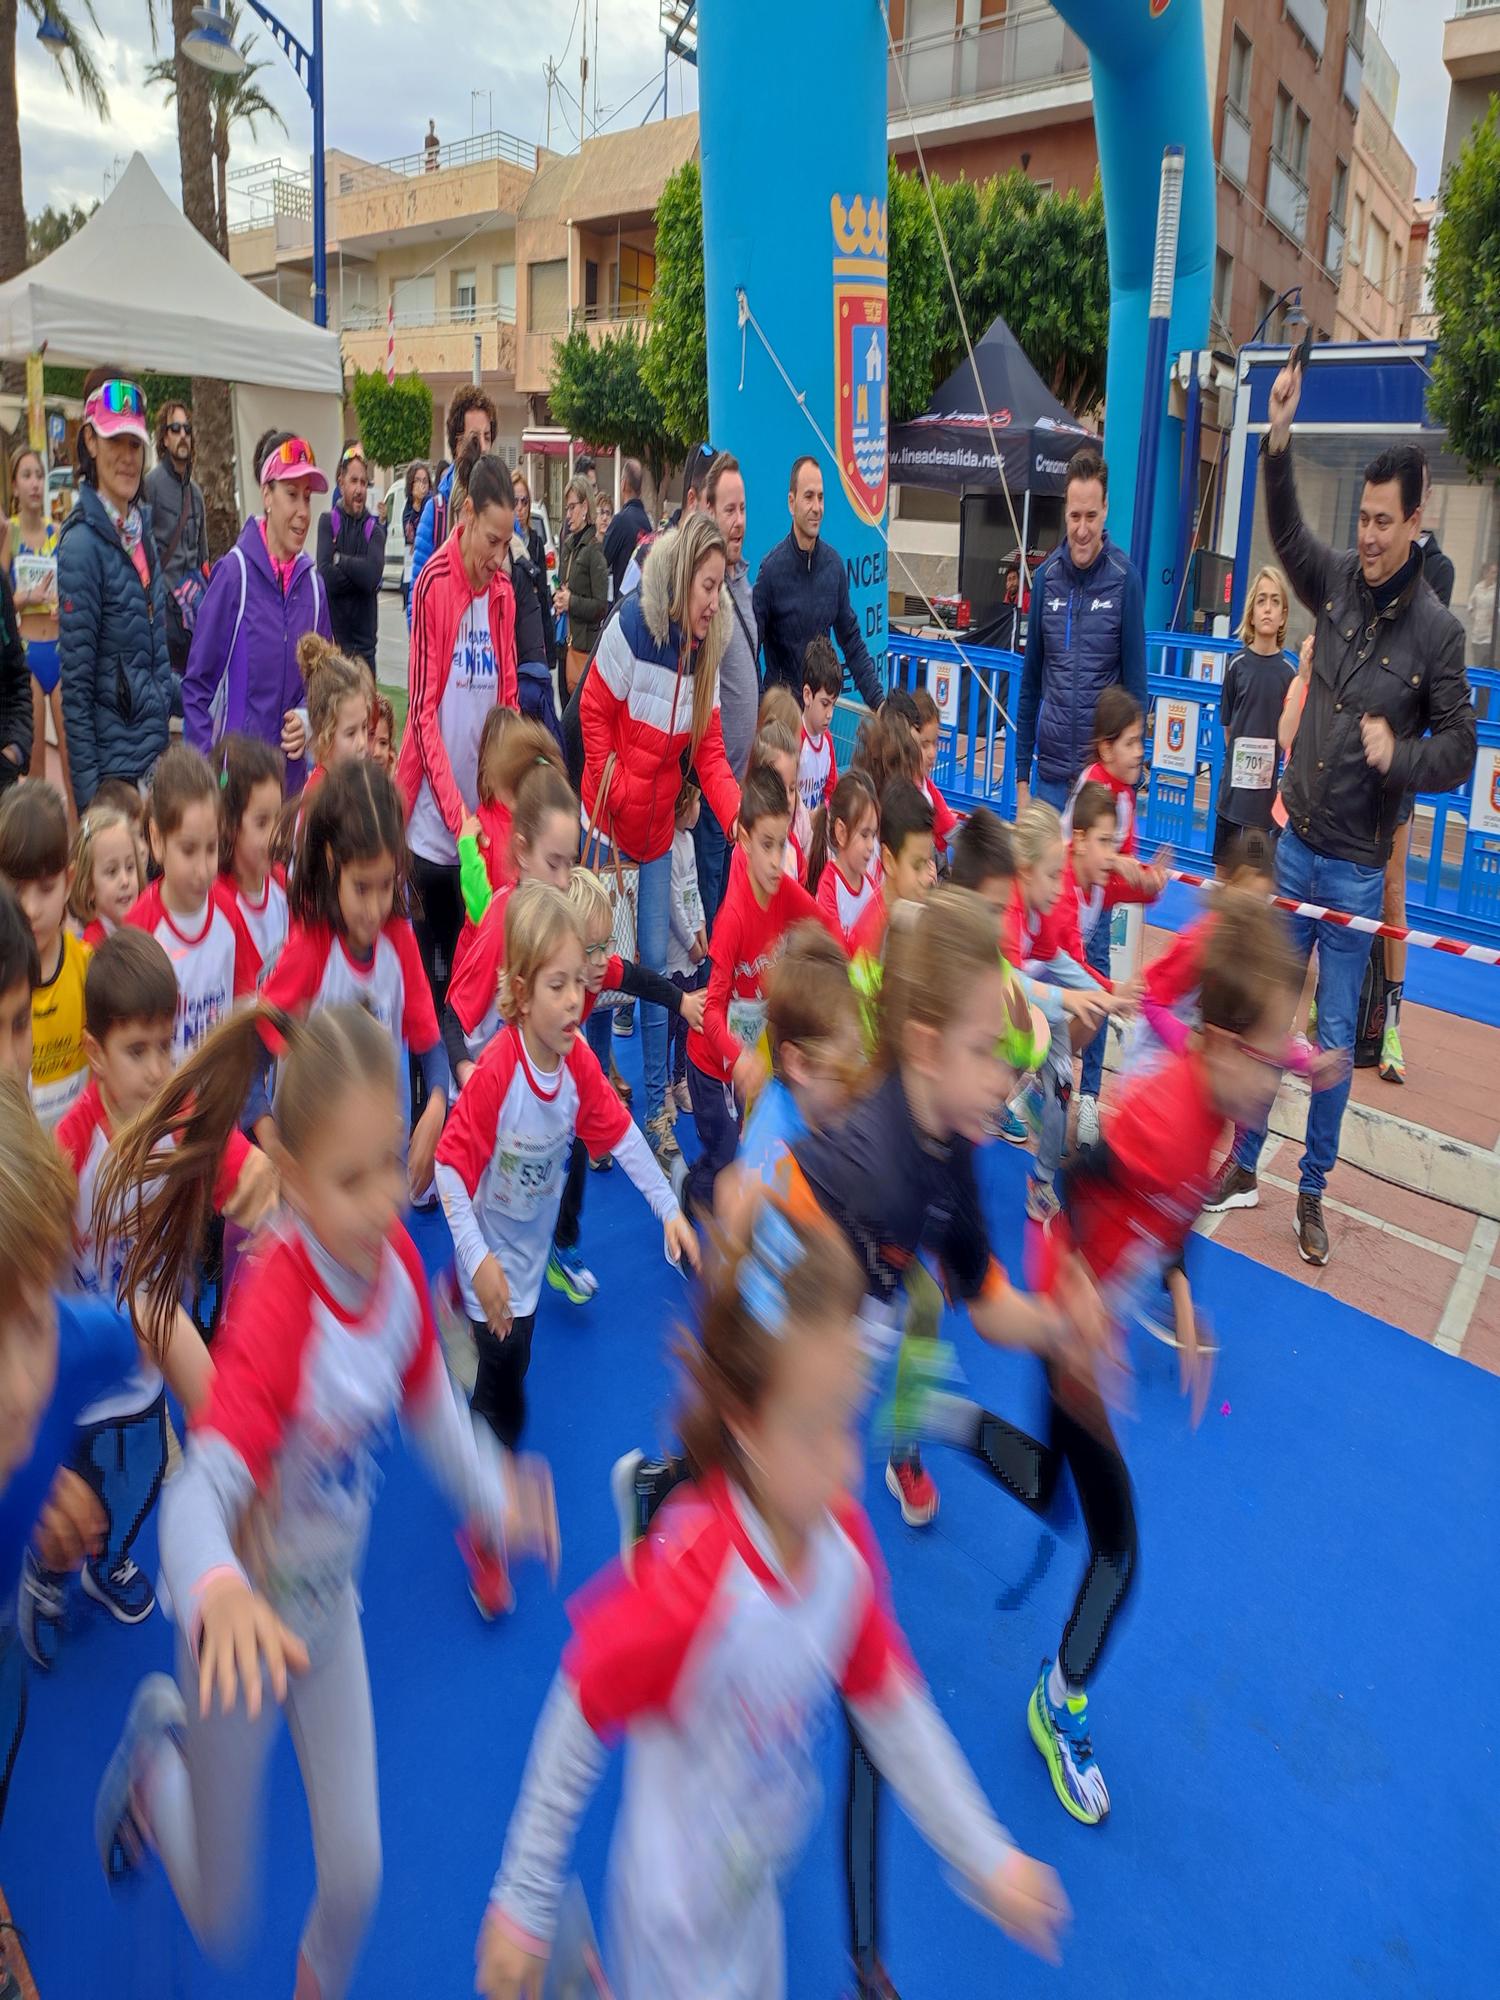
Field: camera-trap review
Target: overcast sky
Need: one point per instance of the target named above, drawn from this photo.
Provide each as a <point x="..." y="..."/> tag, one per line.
<point x="393" y="66"/>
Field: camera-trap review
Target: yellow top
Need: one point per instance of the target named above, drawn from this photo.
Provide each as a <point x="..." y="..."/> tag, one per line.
<point x="59" y="1068"/>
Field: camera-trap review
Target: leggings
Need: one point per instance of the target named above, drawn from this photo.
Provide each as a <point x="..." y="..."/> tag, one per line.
<point x="1081" y="1439"/>
<point x="437" y="921"/>
<point x="125" y="1461"/>
<point x="597" y="1032"/>
<point x="500" y="1385"/>
<point x="12" y="1704"/>
<point x="202" y="1802"/>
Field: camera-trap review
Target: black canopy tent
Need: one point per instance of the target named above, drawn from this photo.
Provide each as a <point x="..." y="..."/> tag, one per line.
<point x="948" y="449"/>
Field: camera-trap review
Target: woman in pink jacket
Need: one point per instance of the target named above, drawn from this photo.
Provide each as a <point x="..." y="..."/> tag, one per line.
<point x="462" y="664"/>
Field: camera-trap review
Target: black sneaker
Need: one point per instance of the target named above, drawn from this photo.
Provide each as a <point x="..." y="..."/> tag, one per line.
<point x="1236" y="1187"/>
<point x="1312" y="1235"/>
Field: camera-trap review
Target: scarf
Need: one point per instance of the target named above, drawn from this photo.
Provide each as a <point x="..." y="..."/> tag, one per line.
<point x="130" y="528"/>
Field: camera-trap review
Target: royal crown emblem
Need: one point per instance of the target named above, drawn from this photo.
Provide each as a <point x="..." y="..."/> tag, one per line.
<point x="861" y="350"/>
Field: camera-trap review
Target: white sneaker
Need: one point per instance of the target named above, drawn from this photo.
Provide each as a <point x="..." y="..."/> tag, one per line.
<point x="1088" y="1121"/>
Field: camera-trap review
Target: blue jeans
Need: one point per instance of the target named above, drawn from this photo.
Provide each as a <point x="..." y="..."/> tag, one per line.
<point x="1097" y="951"/>
<point x="653" y="921"/>
<point x="1050" y="792"/>
<point x="717" y="1118"/>
<point x="1342" y="956"/>
<point x="712" y="850"/>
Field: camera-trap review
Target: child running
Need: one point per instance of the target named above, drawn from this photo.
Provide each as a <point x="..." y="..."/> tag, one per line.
<point x="250" y="776"/>
<point x="846" y="834"/>
<point x="907" y="869"/>
<point x="34" y="861"/>
<point x="776" y="745"/>
<point x="817" y="765"/>
<point x="105" y="876"/>
<point x="212" y="953"/>
<point x="759" y="1597"/>
<point x="130" y="1006"/>
<point x="350" y="943"/>
<point x="328" y="1336"/>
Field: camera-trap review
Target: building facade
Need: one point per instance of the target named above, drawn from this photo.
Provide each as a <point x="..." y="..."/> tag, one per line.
<point x="1374" y="300"/>
<point x="1471" y="56"/>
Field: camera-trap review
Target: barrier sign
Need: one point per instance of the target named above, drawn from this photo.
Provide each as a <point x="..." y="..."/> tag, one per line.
<point x="1484" y="801"/>
<point x="942" y="684"/>
<point x="1175" y="745"/>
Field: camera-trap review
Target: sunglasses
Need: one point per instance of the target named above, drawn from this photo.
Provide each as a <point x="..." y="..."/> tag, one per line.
<point x="179" y="430"/>
<point x="296" y="451"/>
<point x="120" y="399"/>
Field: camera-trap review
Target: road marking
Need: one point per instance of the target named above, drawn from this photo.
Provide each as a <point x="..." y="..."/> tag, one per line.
<point x="1457" y="1313"/>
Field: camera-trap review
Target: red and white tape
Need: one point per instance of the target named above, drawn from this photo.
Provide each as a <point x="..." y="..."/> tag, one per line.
<point x="1484" y="954"/>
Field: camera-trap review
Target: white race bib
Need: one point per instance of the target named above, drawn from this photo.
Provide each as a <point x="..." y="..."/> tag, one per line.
<point x="1254" y="766"/>
<point x="747" y="1021"/>
<point x="524" y="1172"/>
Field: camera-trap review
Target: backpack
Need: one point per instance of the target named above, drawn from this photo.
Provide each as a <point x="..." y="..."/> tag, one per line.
<point x="336" y="522"/>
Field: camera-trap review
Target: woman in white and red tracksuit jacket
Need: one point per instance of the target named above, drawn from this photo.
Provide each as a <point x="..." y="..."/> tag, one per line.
<point x="462" y="664"/>
<point x="651" y="702"/>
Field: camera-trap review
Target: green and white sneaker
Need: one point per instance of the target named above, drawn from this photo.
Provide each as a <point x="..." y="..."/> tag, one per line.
<point x="1062" y="1736"/>
<point x="566" y="1273"/>
<point x="1392" y="1062"/>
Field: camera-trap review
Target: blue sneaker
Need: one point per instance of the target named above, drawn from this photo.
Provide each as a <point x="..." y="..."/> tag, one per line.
<point x="1010" y="1128"/>
<point x="623" y="1024"/>
<point x="123" y="1590"/>
<point x="156" y="1714"/>
<point x="1062" y="1736"/>
<point x="568" y="1274"/>
<point x="40" y="1607"/>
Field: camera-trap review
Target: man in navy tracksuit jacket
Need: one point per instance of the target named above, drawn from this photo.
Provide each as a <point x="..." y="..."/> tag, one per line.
<point x="1087" y="631"/>
<point x="802" y="593"/>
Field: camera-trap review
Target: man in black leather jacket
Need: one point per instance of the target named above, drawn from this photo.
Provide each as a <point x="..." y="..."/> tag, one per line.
<point x="1387" y="715"/>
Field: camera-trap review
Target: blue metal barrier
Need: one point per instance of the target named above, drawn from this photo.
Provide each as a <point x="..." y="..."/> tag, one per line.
<point x="1458" y="896"/>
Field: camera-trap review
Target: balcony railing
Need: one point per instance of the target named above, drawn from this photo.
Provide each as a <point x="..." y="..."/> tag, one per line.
<point x="1310" y="18"/>
<point x="1286" y="199"/>
<point x="629" y="311"/>
<point x="431" y="160"/>
<point x="1476" y="7"/>
<point x="362" y="317"/>
<point x="1234" y="148"/>
<point x="1333" y="253"/>
<point x="1022" y="51"/>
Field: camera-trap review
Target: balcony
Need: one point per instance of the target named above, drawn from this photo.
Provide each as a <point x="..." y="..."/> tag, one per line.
<point x="1333" y="252"/>
<point x="1354" y="72"/>
<point x="1310" y="19"/>
<point x="967" y="80"/>
<point x="611" y="318"/>
<point x="435" y="342"/>
<point x="1471" y="41"/>
<point x="1286" y="199"/>
<point x="1234" y="146"/>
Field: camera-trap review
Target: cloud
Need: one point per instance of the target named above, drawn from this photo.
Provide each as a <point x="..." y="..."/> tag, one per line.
<point x="1412" y="33"/>
<point x="390" y="69"/>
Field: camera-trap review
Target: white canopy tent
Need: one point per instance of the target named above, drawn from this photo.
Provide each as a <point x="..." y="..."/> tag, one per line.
<point x="138" y="288"/>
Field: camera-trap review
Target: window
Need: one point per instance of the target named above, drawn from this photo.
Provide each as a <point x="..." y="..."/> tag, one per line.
<point x="1339" y="193"/>
<point x="505" y="292"/>
<point x="547" y="296"/>
<point x="637" y="280"/>
<point x="1357" y="231"/>
<point x="1264" y="304"/>
<point x="1301" y="135"/>
<point x="1377" y="253"/>
<point x="1223" y="286"/>
<point x="415" y="300"/>
<point x="1281" y="127"/>
<point x="1239" y="72"/>
<point x="1357" y="24"/>
<point x="465" y="294"/>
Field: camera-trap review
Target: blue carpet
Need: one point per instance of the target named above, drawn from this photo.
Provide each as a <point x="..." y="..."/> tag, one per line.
<point x="1294" y="1722"/>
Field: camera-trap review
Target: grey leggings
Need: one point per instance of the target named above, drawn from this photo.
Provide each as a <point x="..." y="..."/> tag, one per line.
<point x="203" y="1803"/>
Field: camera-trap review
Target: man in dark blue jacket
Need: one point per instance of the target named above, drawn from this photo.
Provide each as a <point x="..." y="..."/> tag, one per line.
<point x="802" y="593"/>
<point x="629" y="527"/>
<point x="1087" y="631"/>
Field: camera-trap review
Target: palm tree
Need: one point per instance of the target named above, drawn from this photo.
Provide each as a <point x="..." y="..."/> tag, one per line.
<point x="233" y="100"/>
<point x="81" y="77"/>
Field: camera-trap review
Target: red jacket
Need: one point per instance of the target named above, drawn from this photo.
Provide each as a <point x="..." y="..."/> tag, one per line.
<point x="438" y="604"/>
<point x="1025" y="938"/>
<point x="637" y="704"/>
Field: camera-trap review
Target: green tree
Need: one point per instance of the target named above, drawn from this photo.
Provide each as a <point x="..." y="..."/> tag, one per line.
<point x="51" y="229"/>
<point x="676" y="358"/>
<point x="395" y="418"/>
<point x="1465" y="390"/>
<point x="81" y="78"/>
<point x="233" y="100"/>
<point x="602" y="394"/>
<point x="921" y="309"/>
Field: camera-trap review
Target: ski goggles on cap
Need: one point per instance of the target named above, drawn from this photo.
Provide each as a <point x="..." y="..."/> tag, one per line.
<point x="294" y="460"/>
<point x="117" y="409"/>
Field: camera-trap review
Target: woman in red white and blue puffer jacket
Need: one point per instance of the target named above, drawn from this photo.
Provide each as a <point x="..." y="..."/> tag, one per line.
<point x="651" y="703"/>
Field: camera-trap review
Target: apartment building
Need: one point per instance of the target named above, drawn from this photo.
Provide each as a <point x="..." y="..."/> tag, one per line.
<point x="1471" y="56"/>
<point x="1374" y="289"/>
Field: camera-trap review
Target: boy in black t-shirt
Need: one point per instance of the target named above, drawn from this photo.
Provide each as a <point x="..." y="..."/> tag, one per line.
<point x="1250" y="707"/>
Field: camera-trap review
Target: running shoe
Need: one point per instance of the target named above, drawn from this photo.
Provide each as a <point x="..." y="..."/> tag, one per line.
<point x="1392" y="1062"/>
<point x="1007" y="1126"/>
<point x="1310" y="1229"/>
<point x="1062" y="1736"/>
<point x="618" y="1085"/>
<point x="603" y="1164"/>
<point x="662" y="1139"/>
<point x="1087" y="1132"/>
<point x="871" y="1981"/>
<point x="156" y="1715"/>
<point x="1042" y="1201"/>
<point x="568" y="1274"/>
<point x="677" y="1175"/>
<point x="123" y="1590"/>
<point x="682" y="1096"/>
<point x="489" y="1580"/>
<point x="622" y="1491"/>
<point x="624" y="1021"/>
<point x="40" y="1606"/>
<point x="914" y="1490"/>
<point x="1236" y="1187"/>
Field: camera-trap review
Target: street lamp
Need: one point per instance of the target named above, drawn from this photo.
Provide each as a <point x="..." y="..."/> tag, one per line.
<point x="1291" y="298"/>
<point x="211" y="45"/>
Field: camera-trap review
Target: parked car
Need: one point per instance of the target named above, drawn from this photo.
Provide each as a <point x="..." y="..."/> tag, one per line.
<point x="395" y="546"/>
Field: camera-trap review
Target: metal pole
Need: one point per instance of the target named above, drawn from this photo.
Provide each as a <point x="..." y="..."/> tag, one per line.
<point x="1168" y="215"/>
<point x="320" y="197"/>
<point x="1192" y="432"/>
<point x="478" y="359"/>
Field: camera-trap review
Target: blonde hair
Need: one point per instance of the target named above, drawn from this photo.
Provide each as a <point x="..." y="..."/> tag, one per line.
<point x="509" y="750"/>
<point x="578" y="489"/>
<point x="779" y="704"/>
<point x="36" y="1197"/>
<point x="1037" y="829"/>
<point x="331" y="677"/>
<point x="590" y="898"/>
<point x="95" y="823"/>
<point x="1247" y="623"/>
<point x="934" y="953"/>
<point x="538" y="919"/>
<point x="696" y="540"/>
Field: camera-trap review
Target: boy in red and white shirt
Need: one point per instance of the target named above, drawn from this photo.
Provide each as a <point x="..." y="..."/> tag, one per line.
<point x="760" y="906"/>
<point x="817" y="765"/>
<point x="907" y="867"/>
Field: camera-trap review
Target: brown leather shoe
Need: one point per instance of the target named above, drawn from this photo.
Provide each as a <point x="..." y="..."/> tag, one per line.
<point x="1312" y="1236"/>
<point x="618" y="1084"/>
<point x="1235" y="1188"/>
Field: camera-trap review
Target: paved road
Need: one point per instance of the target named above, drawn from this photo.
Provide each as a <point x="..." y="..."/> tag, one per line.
<point x="390" y="651"/>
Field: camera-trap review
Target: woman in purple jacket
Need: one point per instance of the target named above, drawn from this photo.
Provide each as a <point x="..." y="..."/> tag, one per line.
<point x="242" y="671"/>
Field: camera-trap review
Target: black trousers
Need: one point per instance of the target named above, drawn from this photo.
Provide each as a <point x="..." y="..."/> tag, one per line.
<point x="500" y="1386"/>
<point x="717" y="1118"/>
<point x="437" y="920"/>
<point x="1029" y="1472"/>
